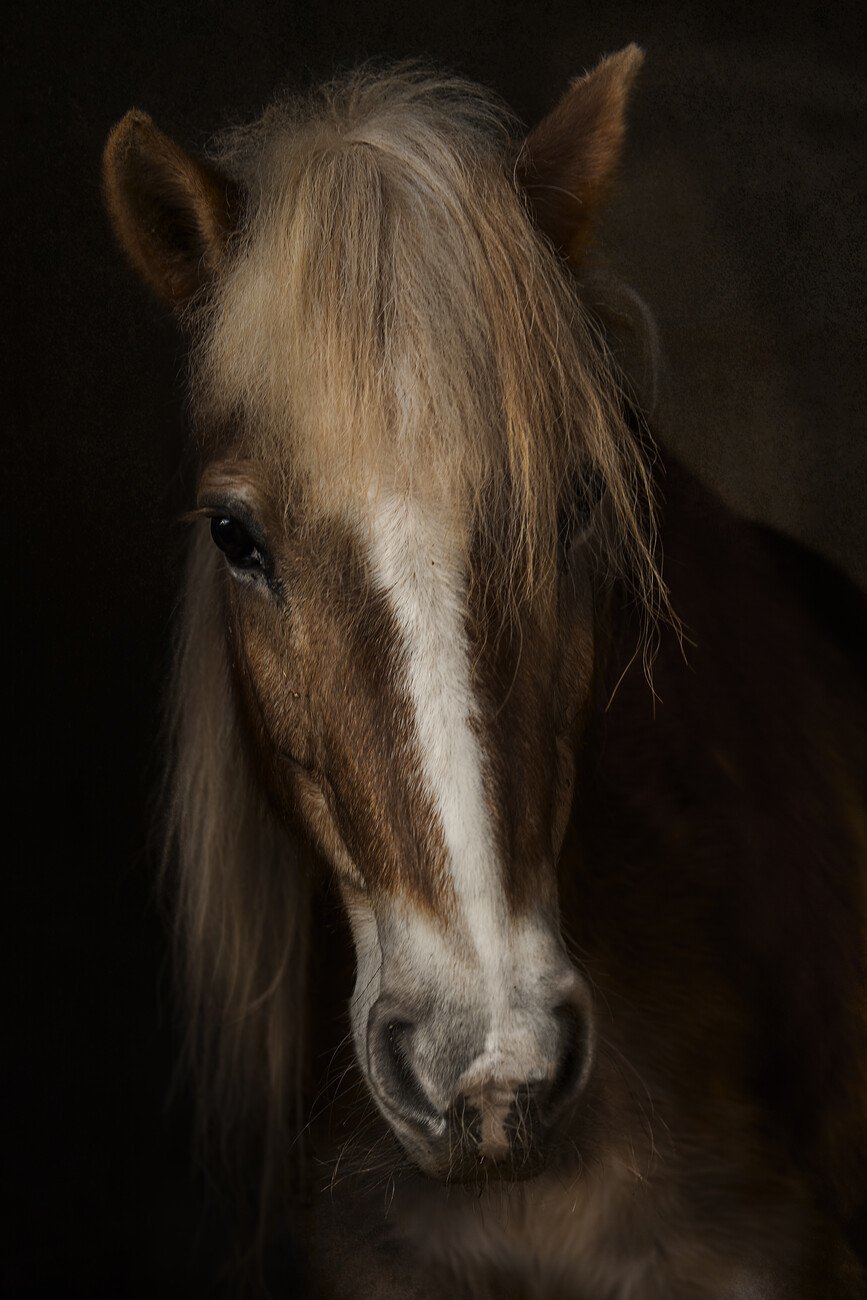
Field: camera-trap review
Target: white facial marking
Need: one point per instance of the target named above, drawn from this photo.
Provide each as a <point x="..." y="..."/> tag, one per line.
<point x="484" y="987"/>
<point x="423" y="576"/>
<point x="501" y="969"/>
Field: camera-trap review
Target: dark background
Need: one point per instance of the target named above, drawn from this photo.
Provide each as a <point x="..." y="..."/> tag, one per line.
<point x="740" y="221"/>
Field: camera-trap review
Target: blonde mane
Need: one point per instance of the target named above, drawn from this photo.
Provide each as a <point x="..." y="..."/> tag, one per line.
<point x="239" y="901"/>
<point x="390" y="313"/>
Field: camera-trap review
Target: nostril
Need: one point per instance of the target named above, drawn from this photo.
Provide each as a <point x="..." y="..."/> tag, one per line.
<point x="392" y="1070"/>
<point x="575" y="1055"/>
<point x="397" y="1042"/>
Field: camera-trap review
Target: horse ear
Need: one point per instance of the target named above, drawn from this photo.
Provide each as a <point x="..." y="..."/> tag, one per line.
<point x="172" y="214"/>
<point x="568" y="162"/>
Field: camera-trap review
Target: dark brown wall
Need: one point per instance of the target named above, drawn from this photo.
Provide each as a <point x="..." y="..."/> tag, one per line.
<point x="739" y="220"/>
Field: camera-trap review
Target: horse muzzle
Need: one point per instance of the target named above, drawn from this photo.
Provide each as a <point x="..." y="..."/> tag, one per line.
<point x="496" y="1117"/>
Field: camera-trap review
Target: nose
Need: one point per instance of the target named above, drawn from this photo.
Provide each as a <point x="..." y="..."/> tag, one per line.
<point x="495" y="1116"/>
<point x="393" y="1072"/>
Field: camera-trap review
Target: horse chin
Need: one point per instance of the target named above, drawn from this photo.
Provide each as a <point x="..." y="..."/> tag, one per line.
<point x="476" y="1172"/>
<point x="481" y="1172"/>
<point x="453" y="1166"/>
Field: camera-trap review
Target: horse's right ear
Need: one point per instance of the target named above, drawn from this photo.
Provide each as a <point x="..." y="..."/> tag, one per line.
<point x="172" y="214"/>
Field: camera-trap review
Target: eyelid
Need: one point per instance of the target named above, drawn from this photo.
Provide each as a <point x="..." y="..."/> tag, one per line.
<point x="201" y="512"/>
<point x="216" y="507"/>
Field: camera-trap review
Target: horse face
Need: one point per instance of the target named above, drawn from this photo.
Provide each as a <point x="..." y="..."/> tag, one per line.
<point x="378" y="291"/>
<point x="422" y="730"/>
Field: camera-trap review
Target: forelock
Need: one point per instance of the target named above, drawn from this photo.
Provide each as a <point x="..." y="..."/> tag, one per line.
<point x="391" y="317"/>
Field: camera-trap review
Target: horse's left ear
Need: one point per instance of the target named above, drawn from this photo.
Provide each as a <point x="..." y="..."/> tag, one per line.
<point x="172" y="214"/>
<point x="567" y="163"/>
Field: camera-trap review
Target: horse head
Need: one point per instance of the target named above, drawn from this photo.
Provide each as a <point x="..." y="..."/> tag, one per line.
<point x="414" y="470"/>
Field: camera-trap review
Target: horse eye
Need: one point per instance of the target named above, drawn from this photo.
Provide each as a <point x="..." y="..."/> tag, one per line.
<point x="236" y="543"/>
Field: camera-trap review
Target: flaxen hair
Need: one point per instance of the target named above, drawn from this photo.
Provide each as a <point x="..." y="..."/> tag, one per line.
<point x="391" y="316"/>
<point x="239" y="899"/>
<point x="388" y="315"/>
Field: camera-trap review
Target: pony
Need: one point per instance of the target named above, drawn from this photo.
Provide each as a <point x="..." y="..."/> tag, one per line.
<point x="490" y="721"/>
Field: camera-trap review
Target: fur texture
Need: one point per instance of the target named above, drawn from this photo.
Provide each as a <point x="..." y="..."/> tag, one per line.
<point x="391" y="317"/>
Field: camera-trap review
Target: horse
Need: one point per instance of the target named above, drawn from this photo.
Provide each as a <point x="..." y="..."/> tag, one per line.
<point x="489" y="720"/>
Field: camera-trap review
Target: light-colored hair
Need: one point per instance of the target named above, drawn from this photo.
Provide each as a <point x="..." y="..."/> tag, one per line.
<point x="388" y="311"/>
<point x="239" y="899"/>
<point x="391" y="313"/>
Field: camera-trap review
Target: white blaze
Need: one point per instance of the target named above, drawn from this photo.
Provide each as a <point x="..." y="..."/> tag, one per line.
<point x="510" y="973"/>
<point x="421" y="570"/>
